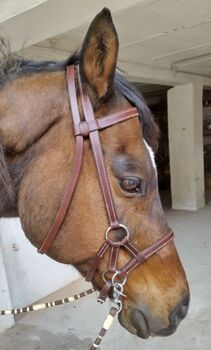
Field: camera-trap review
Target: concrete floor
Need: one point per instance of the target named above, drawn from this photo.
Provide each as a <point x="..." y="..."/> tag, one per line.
<point x="71" y="327"/>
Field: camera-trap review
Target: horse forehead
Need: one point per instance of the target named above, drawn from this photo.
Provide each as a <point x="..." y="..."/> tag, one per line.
<point x="136" y="156"/>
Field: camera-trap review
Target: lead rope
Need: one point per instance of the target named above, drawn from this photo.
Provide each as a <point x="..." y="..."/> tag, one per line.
<point x="50" y="304"/>
<point x="116" y="306"/>
<point x="106" y="325"/>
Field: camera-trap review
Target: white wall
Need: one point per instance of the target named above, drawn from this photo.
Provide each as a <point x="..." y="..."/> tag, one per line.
<point x="5" y="301"/>
<point x="30" y="276"/>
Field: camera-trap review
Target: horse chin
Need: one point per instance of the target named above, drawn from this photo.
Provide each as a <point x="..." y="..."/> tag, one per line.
<point x="135" y="322"/>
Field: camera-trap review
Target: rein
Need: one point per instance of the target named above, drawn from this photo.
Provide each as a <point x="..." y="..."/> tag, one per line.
<point x="113" y="277"/>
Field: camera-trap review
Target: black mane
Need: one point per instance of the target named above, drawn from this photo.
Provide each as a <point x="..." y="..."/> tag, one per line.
<point x="13" y="66"/>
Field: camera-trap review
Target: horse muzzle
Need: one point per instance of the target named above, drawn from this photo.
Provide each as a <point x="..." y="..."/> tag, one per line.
<point x="144" y="324"/>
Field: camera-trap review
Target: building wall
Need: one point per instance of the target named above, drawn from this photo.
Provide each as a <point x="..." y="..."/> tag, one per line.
<point x="30" y="276"/>
<point x="5" y="301"/>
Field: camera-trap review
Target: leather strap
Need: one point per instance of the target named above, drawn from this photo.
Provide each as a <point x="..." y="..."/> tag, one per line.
<point x="141" y="256"/>
<point x="83" y="129"/>
<point x="90" y="127"/>
<point x="138" y="256"/>
<point x="65" y="203"/>
<point x="98" y="155"/>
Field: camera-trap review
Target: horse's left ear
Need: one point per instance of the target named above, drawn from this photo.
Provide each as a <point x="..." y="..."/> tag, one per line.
<point x="99" y="54"/>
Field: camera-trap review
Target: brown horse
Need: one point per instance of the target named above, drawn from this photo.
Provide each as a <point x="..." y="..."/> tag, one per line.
<point x="36" y="156"/>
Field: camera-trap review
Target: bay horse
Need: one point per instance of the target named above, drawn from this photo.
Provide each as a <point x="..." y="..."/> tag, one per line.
<point x="37" y="149"/>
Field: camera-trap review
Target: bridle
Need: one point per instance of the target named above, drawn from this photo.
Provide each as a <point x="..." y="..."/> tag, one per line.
<point x="114" y="279"/>
<point x="90" y="127"/>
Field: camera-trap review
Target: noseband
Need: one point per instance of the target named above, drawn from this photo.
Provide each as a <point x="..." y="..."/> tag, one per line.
<point x="90" y="127"/>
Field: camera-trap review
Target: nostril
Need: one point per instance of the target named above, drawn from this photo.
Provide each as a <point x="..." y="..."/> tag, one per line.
<point x="179" y="312"/>
<point x="186" y="300"/>
<point x="183" y="309"/>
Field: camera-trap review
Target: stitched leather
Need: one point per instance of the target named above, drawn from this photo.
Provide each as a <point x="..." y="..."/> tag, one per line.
<point x="82" y="129"/>
<point x="98" y="155"/>
<point x="85" y="127"/>
<point x="105" y="291"/>
<point x="141" y="256"/>
<point x="65" y="203"/>
<point x="112" y="266"/>
<point x="91" y="127"/>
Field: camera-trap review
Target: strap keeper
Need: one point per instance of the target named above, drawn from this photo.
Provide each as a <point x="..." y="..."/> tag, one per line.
<point x="115" y="225"/>
<point x="84" y="128"/>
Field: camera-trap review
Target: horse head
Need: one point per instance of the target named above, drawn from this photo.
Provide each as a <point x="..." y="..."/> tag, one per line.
<point x="37" y="154"/>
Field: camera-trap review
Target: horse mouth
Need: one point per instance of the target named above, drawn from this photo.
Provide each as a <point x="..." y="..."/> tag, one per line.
<point x="136" y="323"/>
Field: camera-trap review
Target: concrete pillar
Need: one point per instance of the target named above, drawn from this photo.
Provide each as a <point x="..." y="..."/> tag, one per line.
<point x="185" y="123"/>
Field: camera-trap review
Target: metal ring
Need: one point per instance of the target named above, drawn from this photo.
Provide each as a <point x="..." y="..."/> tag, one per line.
<point x="118" y="243"/>
<point x="113" y="279"/>
<point x="103" y="276"/>
<point x="117" y="305"/>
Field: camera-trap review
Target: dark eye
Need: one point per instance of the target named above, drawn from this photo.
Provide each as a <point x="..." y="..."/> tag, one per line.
<point x="133" y="184"/>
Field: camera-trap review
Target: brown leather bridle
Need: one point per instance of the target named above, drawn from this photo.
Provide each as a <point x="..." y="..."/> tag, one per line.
<point x="90" y="127"/>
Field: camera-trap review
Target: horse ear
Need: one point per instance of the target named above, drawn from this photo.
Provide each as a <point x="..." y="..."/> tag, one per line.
<point x="99" y="54"/>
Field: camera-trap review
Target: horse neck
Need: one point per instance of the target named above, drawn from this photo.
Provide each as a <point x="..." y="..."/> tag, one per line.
<point x="29" y="106"/>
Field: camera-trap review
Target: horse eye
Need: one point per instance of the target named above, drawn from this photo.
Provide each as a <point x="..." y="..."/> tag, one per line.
<point x="133" y="185"/>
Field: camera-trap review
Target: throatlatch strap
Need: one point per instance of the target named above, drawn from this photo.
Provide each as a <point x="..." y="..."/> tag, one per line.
<point x="65" y="203"/>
